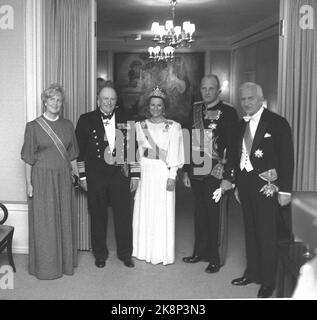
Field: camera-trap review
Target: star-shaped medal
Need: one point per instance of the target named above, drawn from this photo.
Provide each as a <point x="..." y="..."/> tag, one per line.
<point x="258" y="153"/>
<point x="212" y="126"/>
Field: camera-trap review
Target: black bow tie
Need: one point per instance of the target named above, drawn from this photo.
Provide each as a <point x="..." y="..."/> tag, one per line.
<point x="105" y="116"/>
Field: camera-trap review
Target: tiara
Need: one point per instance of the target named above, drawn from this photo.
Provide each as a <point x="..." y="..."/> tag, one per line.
<point x="157" y="92"/>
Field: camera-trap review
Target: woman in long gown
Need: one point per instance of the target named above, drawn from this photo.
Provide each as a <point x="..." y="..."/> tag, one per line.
<point x="50" y="161"/>
<point x="161" y="153"/>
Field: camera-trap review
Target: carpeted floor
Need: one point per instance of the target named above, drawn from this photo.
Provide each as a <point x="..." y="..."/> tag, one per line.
<point x="145" y="281"/>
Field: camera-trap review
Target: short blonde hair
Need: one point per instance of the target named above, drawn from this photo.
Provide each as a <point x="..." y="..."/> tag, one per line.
<point x="51" y="91"/>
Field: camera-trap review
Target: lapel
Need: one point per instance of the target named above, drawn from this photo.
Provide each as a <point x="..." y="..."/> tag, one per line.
<point x="260" y="131"/>
<point x="98" y="122"/>
<point x="243" y="125"/>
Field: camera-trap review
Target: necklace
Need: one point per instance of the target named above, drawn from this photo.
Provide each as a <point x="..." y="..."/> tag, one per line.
<point x="159" y="120"/>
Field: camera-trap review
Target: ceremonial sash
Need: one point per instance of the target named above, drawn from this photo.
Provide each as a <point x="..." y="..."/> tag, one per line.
<point x="58" y="143"/>
<point x="159" y="153"/>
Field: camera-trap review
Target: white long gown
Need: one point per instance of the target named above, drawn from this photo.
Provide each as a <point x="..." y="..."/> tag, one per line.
<point x="154" y="206"/>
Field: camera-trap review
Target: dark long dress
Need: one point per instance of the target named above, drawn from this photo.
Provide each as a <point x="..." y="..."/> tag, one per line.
<point x="52" y="211"/>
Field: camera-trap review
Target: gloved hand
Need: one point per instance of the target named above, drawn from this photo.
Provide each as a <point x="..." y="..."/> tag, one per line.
<point x="217" y="194"/>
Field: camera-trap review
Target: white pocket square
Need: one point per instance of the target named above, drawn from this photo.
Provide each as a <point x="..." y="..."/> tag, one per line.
<point x="267" y="135"/>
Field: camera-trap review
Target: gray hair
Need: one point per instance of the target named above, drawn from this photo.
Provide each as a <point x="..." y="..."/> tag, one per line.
<point x="211" y="76"/>
<point x="252" y="85"/>
<point x="51" y="91"/>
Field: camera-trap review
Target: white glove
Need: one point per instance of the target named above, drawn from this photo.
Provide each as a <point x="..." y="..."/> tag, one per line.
<point x="217" y="194"/>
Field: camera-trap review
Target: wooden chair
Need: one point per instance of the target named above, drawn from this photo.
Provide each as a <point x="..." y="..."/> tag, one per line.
<point x="6" y="236"/>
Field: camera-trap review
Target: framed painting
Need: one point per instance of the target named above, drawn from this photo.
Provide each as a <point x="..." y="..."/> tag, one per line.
<point x="135" y="75"/>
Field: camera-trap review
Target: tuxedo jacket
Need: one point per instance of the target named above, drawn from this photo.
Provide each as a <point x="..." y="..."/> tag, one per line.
<point x="272" y="148"/>
<point x="224" y="132"/>
<point x="93" y="144"/>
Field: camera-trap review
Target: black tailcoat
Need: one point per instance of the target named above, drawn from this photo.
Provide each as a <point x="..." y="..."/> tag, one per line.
<point x="272" y="148"/>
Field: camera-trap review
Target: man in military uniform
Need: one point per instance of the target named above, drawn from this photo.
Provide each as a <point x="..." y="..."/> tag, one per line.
<point x="213" y="127"/>
<point x="105" y="174"/>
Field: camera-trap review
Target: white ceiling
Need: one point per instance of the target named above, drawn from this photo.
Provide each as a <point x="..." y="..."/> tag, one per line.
<point x="215" y="20"/>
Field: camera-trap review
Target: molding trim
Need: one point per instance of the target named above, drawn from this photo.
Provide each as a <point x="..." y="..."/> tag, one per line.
<point x="264" y="34"/>
<point x="18" y="218"/>
<point x="255" y="29"/>
<point x="33" y="58"/>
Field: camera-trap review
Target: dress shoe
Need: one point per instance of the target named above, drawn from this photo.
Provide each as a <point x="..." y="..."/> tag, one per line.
<point x="194" y="259"/>
<point x="265" y="292"/>
<point x="100" y="263"/>
<point x="212" y="268"/>
<point x="243" y="281"/>
<point x="128" y="263"/>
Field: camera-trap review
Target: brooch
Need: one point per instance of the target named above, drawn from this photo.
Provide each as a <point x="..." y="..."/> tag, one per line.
<point x="143" y="125"/>
<point x="167" y="125"/>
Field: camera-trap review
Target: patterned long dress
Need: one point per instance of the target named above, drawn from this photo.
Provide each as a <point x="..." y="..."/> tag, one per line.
<point x="154" y="207"/>
<point x="52" y="211"/>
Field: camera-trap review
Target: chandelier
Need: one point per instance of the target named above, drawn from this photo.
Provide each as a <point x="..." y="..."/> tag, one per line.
<point x="168" y="37"/>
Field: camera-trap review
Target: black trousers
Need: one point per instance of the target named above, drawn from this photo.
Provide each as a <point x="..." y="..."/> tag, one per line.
<point x="103" y="190"/>
<point x="260" y="224"/>
<point x="206" y="219"/>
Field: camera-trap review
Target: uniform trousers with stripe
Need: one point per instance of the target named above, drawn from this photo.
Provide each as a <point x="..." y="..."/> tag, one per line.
<point x="110" y="188"/>
<point x="206" y="219"/>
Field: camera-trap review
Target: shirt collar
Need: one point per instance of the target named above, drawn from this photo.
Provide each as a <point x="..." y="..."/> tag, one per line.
<point x="46" y="117"/>
<point x="255" y="117"/>
<point x="109" y="114"/>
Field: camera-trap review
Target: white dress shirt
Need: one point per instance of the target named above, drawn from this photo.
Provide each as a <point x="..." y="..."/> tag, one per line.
<point x="110" y="131"/>
<point x="245" y="162"/>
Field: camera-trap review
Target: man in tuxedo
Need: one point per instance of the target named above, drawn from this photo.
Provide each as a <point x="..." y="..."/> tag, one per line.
<point x="212" y="128"/>
<point x="264" y="181"/>
<point x="105" y="174"/>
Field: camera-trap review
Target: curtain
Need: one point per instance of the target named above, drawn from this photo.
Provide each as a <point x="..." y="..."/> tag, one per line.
<point x="298" y="88"/>
<point x="67" y="56"/>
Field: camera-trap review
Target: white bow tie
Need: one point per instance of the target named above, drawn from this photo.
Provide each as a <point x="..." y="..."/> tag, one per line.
<point x="249" y="118"/>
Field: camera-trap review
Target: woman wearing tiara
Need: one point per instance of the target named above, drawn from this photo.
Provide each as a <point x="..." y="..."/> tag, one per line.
<point x="161" y="154"/>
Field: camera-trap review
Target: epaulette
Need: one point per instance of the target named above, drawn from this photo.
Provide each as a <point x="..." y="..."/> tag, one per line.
<point x="198" y="102"/>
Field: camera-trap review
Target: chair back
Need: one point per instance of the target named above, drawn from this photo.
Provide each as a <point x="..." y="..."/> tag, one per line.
<point x="4" y="213"/>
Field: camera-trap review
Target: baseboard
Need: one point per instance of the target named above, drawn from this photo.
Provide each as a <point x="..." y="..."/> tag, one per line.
<point x="18" y="218"/>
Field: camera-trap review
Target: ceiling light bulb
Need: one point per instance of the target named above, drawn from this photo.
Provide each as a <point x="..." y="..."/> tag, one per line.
<point x="186" y="26"/>
<point x="154" y="28"/>
<point x="169" y="25"/>
<point x="161" y="30"/>
<point x="191" y="28"/>
<point x="178" y="31"/>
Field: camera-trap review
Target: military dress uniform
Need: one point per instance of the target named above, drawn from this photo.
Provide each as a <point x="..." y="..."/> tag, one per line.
<point x="212" y="158"/>
<point x="108" y="179"/>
